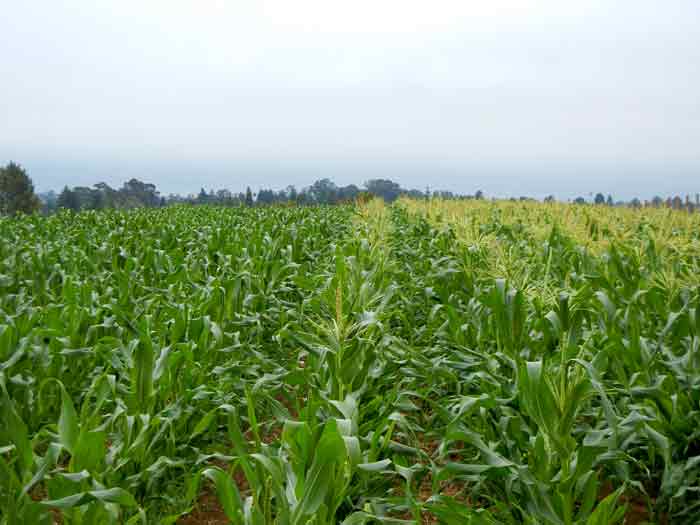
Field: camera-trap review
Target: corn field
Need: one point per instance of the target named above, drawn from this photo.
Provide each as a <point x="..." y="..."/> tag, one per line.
<point x="424" y="362"/>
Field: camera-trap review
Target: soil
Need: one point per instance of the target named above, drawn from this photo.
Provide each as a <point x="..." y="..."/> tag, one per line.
<point x="208" y="511"/>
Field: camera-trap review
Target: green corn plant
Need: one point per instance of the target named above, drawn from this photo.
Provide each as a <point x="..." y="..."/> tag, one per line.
<point x="450" y="361"/>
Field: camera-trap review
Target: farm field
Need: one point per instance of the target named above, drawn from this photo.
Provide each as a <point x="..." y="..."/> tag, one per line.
<point x="426" y="362"/>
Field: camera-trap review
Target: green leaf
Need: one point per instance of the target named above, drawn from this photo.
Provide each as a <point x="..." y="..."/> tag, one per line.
<point x="375" y="466"/>
<point x="68" y="425"/>
<point x="204" y="423"/>
<point x="321" y="478"/>
<point x="143" y="368"/>
<point x="89" y="450"/>
<point x="228" y="494"/>
<point x="14" y="430"/>
<point x="114" y="495"/>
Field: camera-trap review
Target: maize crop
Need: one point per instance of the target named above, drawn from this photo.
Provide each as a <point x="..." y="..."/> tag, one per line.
<point x="424" y="362"/>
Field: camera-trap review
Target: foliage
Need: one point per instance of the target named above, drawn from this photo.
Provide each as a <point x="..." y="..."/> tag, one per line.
<point x="133" y="194"/>
<point x="16" y="191"/>
<point x="463" y="362"/>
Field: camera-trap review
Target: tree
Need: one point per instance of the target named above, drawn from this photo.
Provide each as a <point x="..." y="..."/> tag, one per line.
<point x="348" y="193"/>
<point x="68" y="200"/>
<point x="323" y="191"/>
<point x="16" y="191"/>
<point x="266" y="196"/>
<point x="137" y="193"/>
<point x="111" y="198"/>
<point x="415" y="194"/>
<point x="224" y="197"/>
<point x="97" y="200"/>
<point x="579" y="200"/>
<point x="599" y="198"/>
<point x="479" y="195"/>
<point x="202" y="198"/>
<point x="549" y="198"/>
<point x="384" y="188"/>
<point x="48" y="201"/>
<point x="609" y="202"/>
<point x="291" y="193"/>
<point x="248" y="197"/>
<point x="84" y="197"/>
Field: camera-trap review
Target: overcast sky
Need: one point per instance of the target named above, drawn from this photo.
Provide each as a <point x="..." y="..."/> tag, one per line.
<point x="514" y="97"/>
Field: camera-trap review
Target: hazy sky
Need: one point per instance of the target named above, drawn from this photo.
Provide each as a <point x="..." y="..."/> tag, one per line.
<point x="514" y="97"/>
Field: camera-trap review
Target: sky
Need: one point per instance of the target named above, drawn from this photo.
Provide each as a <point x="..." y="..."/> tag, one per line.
<point x="530" y="97"/>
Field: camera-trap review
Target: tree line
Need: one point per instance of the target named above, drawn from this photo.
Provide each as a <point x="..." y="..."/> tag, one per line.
<point x="675" y="203"/>
<point x="135" y="193"/>
<point x="17" y="195"/>
<point x="323" y="191"/>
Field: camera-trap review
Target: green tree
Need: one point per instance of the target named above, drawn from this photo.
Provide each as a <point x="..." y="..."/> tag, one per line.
<point x="68" y="200"/>
<point x="599" y="198"/>
<point x="266" y="196"/>
<point x="384" y="188"/>
<point x="248" y="197"/>
<point x="348" y="193"/>
<point x="202" y="198"/>
<point x="48" y="201"/>
<point x="291" y="193"/>
<point x="110" y="197"/>
<point x="137" y="193"/>
<point x="85" y="197"/>
<point x="16" y="191"/>
<point x="97" y="200"/>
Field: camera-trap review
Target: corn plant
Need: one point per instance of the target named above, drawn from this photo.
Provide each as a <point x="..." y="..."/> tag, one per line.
<point x="434" y="361"/>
